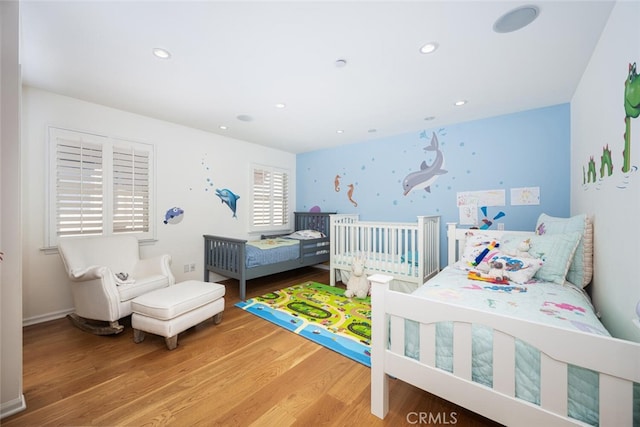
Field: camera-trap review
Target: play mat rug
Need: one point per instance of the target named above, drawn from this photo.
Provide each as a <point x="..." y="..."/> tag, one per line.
<point x="320" y="313"/>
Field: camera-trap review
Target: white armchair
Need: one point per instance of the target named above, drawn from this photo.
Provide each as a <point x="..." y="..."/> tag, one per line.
<point x="99" y="296"/>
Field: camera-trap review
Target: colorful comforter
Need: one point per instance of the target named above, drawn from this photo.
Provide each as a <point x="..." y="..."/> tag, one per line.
<point x="563" y="306"/>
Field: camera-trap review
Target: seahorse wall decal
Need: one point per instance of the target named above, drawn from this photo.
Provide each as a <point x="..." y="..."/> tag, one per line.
<point x="350" y="195"/>
<point x="632" y="110"/>
<point x="336" y="183"/>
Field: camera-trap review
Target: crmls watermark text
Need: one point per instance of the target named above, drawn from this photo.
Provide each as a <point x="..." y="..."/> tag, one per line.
<point x="431" y="418"/>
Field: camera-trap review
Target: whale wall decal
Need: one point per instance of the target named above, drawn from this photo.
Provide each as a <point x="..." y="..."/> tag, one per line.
<point x="425" y="177"/>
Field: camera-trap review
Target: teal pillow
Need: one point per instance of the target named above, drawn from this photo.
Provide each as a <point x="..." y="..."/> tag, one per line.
<point x="581" y="268"/>
<point x="556" y="250"/>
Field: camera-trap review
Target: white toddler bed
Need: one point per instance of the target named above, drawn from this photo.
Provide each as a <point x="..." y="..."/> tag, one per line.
<point x="432" y="340"/>
<point x="409" y="252"/>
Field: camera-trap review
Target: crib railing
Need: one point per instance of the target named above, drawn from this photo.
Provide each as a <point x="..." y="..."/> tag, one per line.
<point x="408" y="251"/>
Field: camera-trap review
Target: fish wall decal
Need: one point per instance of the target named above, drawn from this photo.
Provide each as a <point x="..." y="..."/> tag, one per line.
<point x="427" y="174"/>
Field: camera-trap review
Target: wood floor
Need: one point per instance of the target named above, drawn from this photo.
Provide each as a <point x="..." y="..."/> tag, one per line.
<point x="244" y="371"/>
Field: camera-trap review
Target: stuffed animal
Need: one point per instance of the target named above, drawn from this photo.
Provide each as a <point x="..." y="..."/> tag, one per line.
<point x="497" y="270"/>
<point x="357" y="285"/>
<point x="522" y="251"/>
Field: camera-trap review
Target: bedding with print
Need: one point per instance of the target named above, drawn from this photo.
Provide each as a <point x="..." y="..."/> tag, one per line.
<point x="564" y="306"/>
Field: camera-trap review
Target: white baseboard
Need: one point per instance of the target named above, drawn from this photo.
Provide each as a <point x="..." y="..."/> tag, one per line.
<point x="46" y="317"/>
<point x="13" y="407"/>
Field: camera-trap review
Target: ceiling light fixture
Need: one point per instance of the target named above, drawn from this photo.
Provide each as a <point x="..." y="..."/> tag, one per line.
<point x="280" y="105"/>
<point x="429" y="47"/>
<point x="244" y="118"/>
<point x="339" y="131"/>
<point x="223" y="127"/>
<point x="516" y="19"/>
<point x="429" y="118"/>
<point x="158" y="52"/>
<point x="341" y="63"/>
<point x="460" y="103"/>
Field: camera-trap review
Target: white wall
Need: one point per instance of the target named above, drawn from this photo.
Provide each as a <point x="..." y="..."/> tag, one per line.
<point x="11" y="397"/>
<point x="185" y="159"/>
<point x="597" y="113"/>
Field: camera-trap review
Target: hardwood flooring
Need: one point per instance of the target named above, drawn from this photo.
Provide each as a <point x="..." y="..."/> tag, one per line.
<point x="244" y="371"/>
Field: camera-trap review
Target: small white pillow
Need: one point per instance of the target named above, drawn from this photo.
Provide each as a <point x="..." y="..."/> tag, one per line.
<point x="519" y="269"/>
<point x="475" y="244"/>
<point x="306" y="235"/>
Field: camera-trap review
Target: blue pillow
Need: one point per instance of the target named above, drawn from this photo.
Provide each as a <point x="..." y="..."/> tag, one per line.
<point x="556" y="250"/>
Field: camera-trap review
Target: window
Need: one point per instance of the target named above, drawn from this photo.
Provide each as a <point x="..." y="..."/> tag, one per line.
<point x="98" y="186"/>
<point x="270" y="198"/>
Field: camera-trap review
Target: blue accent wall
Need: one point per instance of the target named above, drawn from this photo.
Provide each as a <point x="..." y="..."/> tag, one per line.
<point x="525" y="149"/>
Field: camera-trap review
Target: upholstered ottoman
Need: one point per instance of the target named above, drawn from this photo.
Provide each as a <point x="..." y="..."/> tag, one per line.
<point x="169" y="311"/>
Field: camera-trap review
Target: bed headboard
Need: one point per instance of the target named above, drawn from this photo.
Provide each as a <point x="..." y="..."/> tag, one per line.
<point x="456" y="238"/>
<point x="319" y="221"/>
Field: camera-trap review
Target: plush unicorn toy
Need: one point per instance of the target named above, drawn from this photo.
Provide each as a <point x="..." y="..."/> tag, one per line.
<point x="357" y="285"/>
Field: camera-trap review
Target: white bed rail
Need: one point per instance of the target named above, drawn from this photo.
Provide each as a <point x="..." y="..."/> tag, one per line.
<point x="616" y="361"/>
<point x="408" y="251"/>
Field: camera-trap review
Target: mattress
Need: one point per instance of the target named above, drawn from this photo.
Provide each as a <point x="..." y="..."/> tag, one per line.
<point x="563" y="306"/>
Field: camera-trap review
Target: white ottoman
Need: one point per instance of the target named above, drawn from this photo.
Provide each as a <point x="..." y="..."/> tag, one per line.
<point x="169" y="311"/>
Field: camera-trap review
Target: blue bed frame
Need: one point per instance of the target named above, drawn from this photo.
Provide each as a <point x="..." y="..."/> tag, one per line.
<point x="227" y="256"/>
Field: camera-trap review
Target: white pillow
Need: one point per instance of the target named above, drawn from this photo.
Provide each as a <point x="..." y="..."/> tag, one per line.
<point x="306" y="235"/>
<point x="519" y="269"/>
<point x="475" y="244"/>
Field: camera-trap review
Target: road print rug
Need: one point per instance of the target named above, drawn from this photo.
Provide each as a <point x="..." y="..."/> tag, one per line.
<point x="320" y="313"/>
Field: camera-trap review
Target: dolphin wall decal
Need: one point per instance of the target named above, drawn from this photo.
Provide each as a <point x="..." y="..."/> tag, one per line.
<point x="427" y="174"/>
<point x="227" y="197"/>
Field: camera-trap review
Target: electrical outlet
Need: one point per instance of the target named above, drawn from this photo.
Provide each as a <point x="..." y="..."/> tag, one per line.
<point x="192" y="267"/>
<point x="186" y="268"/>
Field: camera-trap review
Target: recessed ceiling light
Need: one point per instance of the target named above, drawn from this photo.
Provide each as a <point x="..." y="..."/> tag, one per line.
<point x="429" y="47"/>
<point x="372" y="130"/>
<point x="280" y="105"/>
<point x="161" y="53"/>
<point x="516" y="19"/>
<point x="429" y="118"/>
<point x="244" y="118"/>
<point x="461" y="102"/>
<point x="339" y="131"/>
<point x="223" y="127"/>
<point x="341" y="63"/>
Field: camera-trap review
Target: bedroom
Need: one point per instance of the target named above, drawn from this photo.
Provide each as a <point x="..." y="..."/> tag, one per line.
<point x="584" y="127"/>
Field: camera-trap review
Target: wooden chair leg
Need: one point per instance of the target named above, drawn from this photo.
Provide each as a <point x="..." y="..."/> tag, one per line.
<point x="138" y="336"/>
<point x="217" y="318"/>
<point x="172" y="342"/>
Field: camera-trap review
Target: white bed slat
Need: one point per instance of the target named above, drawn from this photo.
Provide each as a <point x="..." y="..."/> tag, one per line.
<point x="473" y="396"/>
<point x="462" y="354"/>
<point x="504" y="355"/>
<point x="553" y="385"/>
<point x="616" y="401"/>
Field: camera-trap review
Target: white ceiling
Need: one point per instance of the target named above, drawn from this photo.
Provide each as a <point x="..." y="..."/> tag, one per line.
<point x="242" y="58"/>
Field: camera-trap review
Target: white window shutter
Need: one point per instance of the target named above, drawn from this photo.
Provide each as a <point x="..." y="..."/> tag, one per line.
<point x="131" y="189"/>
<point x="79" y="175"/>
<point x="270" y="189"/>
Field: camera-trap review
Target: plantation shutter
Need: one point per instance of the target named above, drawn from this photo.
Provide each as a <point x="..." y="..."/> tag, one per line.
<point x="79" y="186"/>
<point x="131" y="189"/>
<point x="270" y="197"/>
<point x="98" y="186"/>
